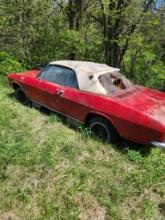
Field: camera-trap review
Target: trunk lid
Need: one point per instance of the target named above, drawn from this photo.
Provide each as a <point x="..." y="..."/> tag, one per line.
<point x="148" y="101"/>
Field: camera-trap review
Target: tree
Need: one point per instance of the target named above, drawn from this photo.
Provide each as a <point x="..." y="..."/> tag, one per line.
<point x="121" y="33"/>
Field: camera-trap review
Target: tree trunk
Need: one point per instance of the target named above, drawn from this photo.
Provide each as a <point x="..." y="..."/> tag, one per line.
<point x="74" y="18"/>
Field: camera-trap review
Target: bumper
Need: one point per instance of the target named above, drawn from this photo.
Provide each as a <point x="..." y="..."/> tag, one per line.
<point x="158" y="144"/>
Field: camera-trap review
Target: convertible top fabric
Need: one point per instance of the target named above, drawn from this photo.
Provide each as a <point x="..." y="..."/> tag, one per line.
<point x="87" y="74"/>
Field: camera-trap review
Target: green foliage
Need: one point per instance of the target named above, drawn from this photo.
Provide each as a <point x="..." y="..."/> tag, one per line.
<point x="8" y="64"/>
<point x="142" y="65"/>
<point x="111" y="32"/>
<point x="4" y="56"/>
<point x="146" y="69"/>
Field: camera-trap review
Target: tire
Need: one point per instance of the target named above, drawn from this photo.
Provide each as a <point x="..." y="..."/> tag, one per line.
<point x="20" y="96"/>
<point x="103" y="129"/>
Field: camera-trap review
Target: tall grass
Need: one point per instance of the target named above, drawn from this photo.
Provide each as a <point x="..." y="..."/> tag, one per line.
<point x="51" y="171"/>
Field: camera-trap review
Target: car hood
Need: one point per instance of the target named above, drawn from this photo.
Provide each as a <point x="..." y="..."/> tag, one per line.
<point x="145" y="100"/>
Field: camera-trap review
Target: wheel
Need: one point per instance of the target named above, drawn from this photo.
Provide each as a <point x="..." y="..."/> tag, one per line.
<point x="20" y="96"/>
<point x="103" y="129"/>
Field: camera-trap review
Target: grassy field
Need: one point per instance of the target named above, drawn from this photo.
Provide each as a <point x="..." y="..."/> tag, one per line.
<point x="51" y="171"/>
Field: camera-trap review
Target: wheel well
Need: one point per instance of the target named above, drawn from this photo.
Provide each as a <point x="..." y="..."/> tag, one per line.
<point x="94" y="115"/>
<point x="15" y="86"/>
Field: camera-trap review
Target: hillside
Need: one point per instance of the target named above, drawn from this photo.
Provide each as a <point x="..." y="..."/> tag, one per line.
<point x="51" y="171"/>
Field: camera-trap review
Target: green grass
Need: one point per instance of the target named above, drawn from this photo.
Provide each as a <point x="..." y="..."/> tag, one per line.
<point x="51" y="171"/>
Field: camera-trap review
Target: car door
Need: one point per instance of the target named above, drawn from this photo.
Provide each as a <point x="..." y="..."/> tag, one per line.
<point x="54" y="82"/>
<point x="60" y="92"/>
<point x="37" y="87"/>
<point x="67" y="98"/>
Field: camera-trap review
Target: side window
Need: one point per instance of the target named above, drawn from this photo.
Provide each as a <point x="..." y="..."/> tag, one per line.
<point x="44" y="71"/>
<point x="60" y="75"/>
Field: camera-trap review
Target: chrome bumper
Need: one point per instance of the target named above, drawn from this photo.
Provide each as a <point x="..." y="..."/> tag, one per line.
<point x="158" y="144"/>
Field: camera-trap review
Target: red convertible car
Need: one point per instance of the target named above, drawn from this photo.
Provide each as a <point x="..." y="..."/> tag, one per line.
<point x="98" y="96"/>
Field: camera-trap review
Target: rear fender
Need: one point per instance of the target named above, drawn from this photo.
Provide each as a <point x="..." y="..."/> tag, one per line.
<point x="98" y="114"/>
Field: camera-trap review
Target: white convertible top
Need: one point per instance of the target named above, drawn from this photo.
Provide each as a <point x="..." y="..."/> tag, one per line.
<point x="84" y="70"/>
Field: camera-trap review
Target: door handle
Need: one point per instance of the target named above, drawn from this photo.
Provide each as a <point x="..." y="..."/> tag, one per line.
<point x="60" y="92"/>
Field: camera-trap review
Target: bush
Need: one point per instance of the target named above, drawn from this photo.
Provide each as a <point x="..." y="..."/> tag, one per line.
<point x="143" y="66"/>
<point x="8" y="64"/>
<point x="4" y="56"/>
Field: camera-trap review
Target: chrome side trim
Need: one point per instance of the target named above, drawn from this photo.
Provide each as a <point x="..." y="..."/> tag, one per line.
<point x="80" y="122"/>
<point x="158" y="144"/>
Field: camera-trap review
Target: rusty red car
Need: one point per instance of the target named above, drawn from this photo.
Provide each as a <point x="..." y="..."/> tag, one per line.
<point x="99" y="97"/>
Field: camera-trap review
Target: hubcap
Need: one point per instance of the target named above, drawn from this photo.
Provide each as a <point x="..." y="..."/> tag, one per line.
<point x="100" y="130"/>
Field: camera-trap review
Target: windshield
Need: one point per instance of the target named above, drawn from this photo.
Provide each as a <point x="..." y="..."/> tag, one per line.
<point x="114" y="81"/>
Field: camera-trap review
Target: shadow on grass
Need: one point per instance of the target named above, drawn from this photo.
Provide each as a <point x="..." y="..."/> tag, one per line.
<point x="11" y="95"/>
<point x="122" y="145"/>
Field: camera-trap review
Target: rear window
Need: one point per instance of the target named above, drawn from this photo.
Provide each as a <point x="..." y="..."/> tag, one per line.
<point x="114" y="82"/>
